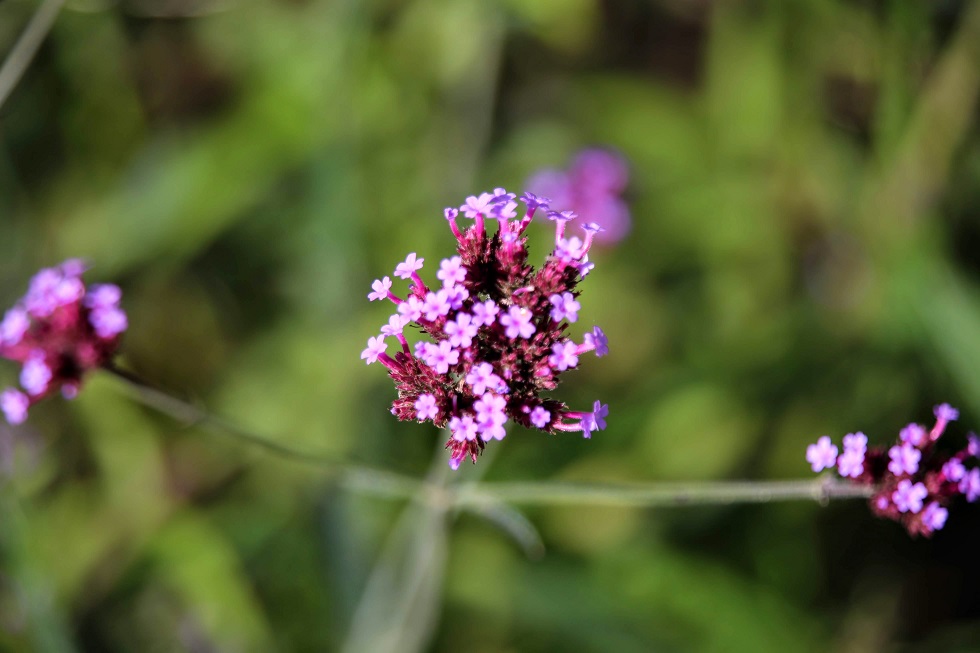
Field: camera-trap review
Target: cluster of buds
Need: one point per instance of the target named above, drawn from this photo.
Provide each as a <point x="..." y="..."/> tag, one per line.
<point x="58" y="331"/>
<point x="913" y="484"/>
<point x="498" y="329"/>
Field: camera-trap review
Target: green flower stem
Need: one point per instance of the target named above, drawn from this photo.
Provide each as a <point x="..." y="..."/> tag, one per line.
<point x="27" y="45"/>
<point x="490" y="495"/>
<point x="820" y="490"/>
<point x="368" y="480"/>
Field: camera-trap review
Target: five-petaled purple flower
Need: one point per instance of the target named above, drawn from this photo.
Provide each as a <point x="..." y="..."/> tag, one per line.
<point x="821" y="455"/>
<point x="497" y="329"/>
<point x="59" y="331"/>
<point x="908" y="497"/>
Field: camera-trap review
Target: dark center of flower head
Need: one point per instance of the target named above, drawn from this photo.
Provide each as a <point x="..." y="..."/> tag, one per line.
<point x="497" y="327"/>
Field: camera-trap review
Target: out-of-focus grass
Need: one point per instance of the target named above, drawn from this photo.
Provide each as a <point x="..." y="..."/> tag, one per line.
<point x="804" y="187"/>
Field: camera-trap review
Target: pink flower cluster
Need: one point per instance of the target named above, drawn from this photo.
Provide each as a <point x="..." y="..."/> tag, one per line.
<point x="498" y="329"/>
<point x="58" y="331"/>
<point x="914" y="485"/>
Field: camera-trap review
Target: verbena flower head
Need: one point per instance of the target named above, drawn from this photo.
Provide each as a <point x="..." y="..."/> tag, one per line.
<point x="913" y="483"/>
<point x="58" y="331"/>
<point x="497" y="329"/>
<point x="593" y="187"/>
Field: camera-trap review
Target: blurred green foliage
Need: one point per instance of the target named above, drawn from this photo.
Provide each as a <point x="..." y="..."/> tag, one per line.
<point x="805" y="192"/>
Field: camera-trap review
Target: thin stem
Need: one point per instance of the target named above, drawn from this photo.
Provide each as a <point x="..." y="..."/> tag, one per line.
<point x="367" y="480"/>
<point x="481" y="495"/>
<point x="27" y="46"/>
<point x="821" y="490"/>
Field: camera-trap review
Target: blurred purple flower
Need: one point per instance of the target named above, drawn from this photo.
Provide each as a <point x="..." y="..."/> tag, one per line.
<point x="592" y="187"/>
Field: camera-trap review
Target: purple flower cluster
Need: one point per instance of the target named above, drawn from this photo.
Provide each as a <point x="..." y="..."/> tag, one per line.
<point x="58" y="331"/>
<point x="914" y="485"/>
<point x="498" y="329"/>
<point x="592" y="187"/>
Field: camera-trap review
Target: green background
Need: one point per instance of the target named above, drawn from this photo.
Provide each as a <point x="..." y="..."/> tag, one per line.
<point x="805" y="179"/>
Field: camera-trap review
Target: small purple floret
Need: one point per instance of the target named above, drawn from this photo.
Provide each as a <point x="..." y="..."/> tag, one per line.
<point x="15" y="324"/>
<point x="517" y="321"/>
<point x="914" y="434"/>
<point x="934" y="516"/>
<point x="904" y="459"/>
<point x="946" y="413"/>
<point x="954" y="470"/>
<point x="380" y="289"/>
<point x="970" y="485"/>
<point x="105" y="295"/>
<point x="425" y="407"/>
<point x="451" y="271"/>
<point x="409" y="266"/>
<point x="35" y="375"/>
<point x="822" y="455"/>
<point x="108" y="321"/>
<point x="598" y="340"/>
<point x="540" y="417"/>
<point x="563" y="356"/>
<point x="908" y="497"/>
<point x="14" y="405"/>
<point x="851" y="463"/>
<point x="376" y="347"/>
<point x="565" y="307"/>
<point x="856" y="442"/>
<point x="600" y="412"/>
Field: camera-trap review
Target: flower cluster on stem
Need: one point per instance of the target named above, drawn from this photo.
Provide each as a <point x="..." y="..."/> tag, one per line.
<point x="498" y="328"/>
<point x="914" y="484"/>
<point x="58" y="331"/>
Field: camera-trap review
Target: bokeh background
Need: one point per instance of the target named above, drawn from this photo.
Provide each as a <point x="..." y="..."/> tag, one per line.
<point x="805" y="195"/>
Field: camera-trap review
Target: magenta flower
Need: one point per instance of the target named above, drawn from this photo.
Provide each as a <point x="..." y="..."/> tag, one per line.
<point x="495" y="335"/>
<point x="59" y="331"/>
